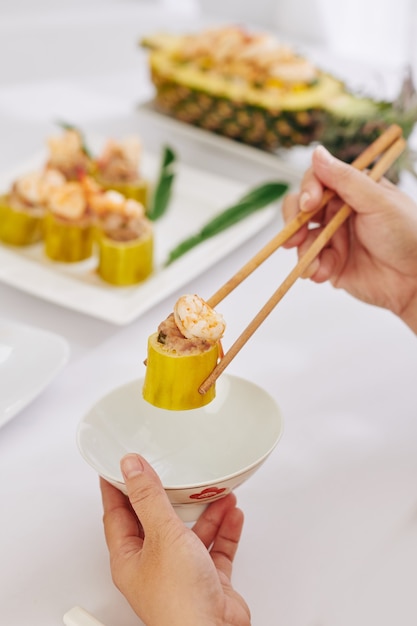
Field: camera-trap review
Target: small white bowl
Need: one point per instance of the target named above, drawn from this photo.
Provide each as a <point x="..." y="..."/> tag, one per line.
<point x="200" y="455"/>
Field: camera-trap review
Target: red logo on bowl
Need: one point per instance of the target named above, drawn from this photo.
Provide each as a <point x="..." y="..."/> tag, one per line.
<point x="209" y="492"/>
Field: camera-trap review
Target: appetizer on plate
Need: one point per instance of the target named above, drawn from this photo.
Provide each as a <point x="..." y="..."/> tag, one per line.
<point x="118" y="167"/>
<point x="124" y="238"/>
<point x="68" y="154"/>
<point x="23" y="207"/>
<point x="69" y="232"/>
<point x="181" y="354"/>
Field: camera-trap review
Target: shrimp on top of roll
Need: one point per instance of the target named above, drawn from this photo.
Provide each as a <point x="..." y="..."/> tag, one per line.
<point x="182" y="353"/>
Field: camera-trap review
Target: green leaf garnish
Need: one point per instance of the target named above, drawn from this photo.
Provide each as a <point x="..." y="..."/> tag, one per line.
<point x="255" y="199"/>
<point x="162" y="193"/>
<point x="68" y="126"/>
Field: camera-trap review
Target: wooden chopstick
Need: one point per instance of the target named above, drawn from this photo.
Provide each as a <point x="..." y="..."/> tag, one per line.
<point x="364" y="160"/>
<point x="381" y="166"/>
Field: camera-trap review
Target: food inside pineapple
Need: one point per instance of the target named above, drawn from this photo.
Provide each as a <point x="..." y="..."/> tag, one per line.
<point x="245" y="86"/>
<point x="250" y="87"/>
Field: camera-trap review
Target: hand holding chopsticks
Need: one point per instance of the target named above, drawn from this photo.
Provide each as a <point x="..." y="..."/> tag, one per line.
<point x="384" y="151"/>
<point x="364" y="160"/>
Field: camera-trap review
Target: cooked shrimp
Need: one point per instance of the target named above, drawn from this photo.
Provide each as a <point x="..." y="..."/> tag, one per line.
<point x="195" y="318"/>
<point x="36" y="186"/>
<point x="68" y="201"/>
<point x="50" y="179"/>
<point x="67" y="154"/>
<point x="111" y="201"/>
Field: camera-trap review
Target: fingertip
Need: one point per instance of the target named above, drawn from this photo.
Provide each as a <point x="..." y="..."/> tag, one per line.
<point x="231" y="499"/>
<point x="239" y="516"/>
<point x="311" y="192"/>
<point x="234" y="520"/>
<point x="305" y="200"/>
<point x="131" y="465"/>
<point x="323" y="156"/>
<point x="351" y="185"/>
<point x="232" y="514"/>
<point x="221" y="505"/>
<point x="325" y="166"/>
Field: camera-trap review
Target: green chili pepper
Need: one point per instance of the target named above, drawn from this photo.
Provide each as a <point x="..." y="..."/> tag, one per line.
<point x="162" y="193"/>
<point x="255" y="199"/>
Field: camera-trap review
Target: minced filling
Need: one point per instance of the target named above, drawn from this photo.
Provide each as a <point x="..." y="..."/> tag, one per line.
<point x="119" y="161"/>
<point x="120" y="228"/>
<point x="171" y="337"/>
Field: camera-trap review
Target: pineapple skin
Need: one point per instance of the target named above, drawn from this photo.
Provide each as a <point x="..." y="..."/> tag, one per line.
<point x="249" y="123"/>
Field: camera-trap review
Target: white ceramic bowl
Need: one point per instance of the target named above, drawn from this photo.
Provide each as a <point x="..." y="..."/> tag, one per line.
<point x="200" y="455"/>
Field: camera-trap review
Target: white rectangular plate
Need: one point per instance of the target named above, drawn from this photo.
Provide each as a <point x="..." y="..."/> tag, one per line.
<point x="197" y="196"/>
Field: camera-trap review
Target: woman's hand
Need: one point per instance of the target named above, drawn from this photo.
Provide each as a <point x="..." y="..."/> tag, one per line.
<point x="171" y="574"/>
<point x="373" y="255"/>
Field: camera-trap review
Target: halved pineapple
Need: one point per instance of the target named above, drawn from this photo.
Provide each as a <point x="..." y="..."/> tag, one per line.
<point x="251" y="88"/>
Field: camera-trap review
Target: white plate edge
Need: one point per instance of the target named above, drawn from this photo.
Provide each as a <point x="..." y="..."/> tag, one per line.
<point x="58" y="366"/>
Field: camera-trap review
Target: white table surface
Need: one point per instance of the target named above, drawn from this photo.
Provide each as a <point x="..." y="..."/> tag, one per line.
<point x="330" y="536"/>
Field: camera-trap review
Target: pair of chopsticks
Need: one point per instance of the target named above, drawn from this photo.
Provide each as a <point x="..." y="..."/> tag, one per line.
<point x="384" y="151"/>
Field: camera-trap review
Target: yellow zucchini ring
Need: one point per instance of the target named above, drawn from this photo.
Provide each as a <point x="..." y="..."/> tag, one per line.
<point x="125" y="263"/>
<point x="20" y="226"/>
<point x="182" y="354"/>
<point x="69" y="232"/>
<point x="68" y="241"/>
<point x="172" y="379"/>
<point x="23" y="206"/>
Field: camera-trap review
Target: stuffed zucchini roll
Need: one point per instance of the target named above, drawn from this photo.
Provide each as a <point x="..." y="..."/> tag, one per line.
<point x="22" y="209"/>
<point x="118" y="168"/>
<point x="69" y="231"/>
<point x="181" y="355"/>
<point x="124" y="237"/>
<point x="68" y="154"/>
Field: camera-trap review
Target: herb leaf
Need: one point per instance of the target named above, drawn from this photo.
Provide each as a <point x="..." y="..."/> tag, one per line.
<point x="257" y="198"/>
<point x="162" y="192"/>
<point x="68" y="126"/>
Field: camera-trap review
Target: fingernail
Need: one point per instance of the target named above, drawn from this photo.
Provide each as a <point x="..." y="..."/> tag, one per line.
<point x="323" y="154"/>
<point x="304" y="200"/>
<point x="131" y="465"/>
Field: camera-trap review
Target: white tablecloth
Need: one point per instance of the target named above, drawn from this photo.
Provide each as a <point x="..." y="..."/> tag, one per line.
<point x="330" y="535"/>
